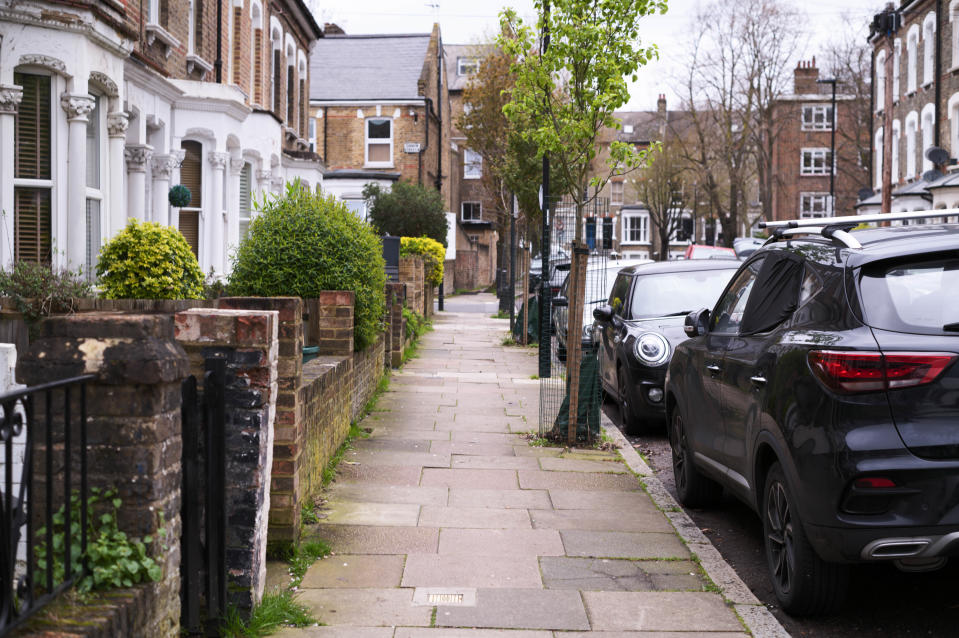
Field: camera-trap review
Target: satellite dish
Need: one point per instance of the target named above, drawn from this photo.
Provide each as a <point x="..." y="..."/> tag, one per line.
<point x="931" y="175"/>
<point x="865" y="193"/>
<point x="937" y="155"/>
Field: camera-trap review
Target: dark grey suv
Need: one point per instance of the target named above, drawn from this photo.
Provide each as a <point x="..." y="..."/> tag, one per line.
<point x="823" y="390"/>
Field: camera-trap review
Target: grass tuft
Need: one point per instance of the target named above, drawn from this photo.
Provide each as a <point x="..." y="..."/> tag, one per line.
<point x="278" y="608"/>
<point x="305" y="555"/>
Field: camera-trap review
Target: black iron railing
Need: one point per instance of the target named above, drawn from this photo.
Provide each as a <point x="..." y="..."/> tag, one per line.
<point x="43" y="434"/>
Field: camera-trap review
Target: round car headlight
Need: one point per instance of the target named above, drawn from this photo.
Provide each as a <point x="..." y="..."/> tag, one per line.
<point x="651" y="348"/>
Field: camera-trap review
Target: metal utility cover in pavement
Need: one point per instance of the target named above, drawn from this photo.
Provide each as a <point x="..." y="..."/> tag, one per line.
<point x="445" y="596"/>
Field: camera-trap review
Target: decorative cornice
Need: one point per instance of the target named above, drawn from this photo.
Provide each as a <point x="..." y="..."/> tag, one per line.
<point x="236" y="165"/>
<point x="163" y="166"/>
<point x="137" y="157"/>
<point x="45" y="61"/>
<point x="77" y="106"/>
<point x="10" y="97"/>
<point x="264" y="176"/>
<point x="104" y="81"/>
<point x="217" y="159"/>
<point x="117" y="123"/>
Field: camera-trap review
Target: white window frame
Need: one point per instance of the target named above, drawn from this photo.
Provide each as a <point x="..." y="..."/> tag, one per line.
<point x="896" y="68"/>
<point x="912" y="58"/>
<point x="95" y="193"/>
<point x="877" y="154"/>
<point x="954" y="19"/>
<point x="617" y="188"/>
<point x="927" y="123"/>
<point x="912" y="126"/>
<point x="641" y="230"/>
<point x="815" y="166"/>
<point x="477" y="218"/>
<point x="360" y="211"/>
<point x="472" y="164"/>
<point x="928" y="47"/>
<point x="378" y="141"/>
<point x="896" y="138"/>
<point x="245" y="215"/>
<point x="815" y="117"/>
<point x="814" y="205"/>
<point x="463" y="63"/>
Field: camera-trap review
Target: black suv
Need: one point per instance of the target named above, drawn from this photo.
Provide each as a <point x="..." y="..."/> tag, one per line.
<point x="823" y="390"/>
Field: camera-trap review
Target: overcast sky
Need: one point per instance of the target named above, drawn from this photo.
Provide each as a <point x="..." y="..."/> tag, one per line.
<point x="470" y="21"/>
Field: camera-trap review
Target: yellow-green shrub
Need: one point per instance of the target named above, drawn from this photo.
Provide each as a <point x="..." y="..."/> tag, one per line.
<point x="149" y="261"/>
<point x="432" y="252"/>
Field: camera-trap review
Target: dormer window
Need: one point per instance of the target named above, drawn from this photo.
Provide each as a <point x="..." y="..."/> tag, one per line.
<point x="466" y="66"/>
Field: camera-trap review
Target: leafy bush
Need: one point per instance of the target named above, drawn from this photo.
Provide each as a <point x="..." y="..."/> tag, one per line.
<point x="302" y="243"/>
<point x="407" y="210"/>
<point x="37" y="290"/>
<point x="432" y="252"/>
<point x="149" y="261"/>
<point x="416" y="324"/>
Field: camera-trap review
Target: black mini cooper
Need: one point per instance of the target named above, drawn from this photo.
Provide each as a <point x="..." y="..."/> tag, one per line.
<point x="642" y="324"/>
<point x="823" y="390"/>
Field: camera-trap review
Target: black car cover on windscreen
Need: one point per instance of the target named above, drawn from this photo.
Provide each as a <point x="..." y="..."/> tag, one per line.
<point x="775" y="293"/>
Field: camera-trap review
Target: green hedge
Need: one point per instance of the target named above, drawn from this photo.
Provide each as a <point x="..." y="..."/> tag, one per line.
<point x="431" y="251"/>
<point x="302" y="243"/>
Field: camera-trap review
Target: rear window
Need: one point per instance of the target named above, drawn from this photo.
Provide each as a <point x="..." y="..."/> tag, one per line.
<point x="916" y="296"/>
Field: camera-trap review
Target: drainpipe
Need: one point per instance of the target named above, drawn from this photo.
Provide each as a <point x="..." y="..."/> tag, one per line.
<point x="938" y="79"/>
<point x="427" y="107"/>
<point x="872" y="118"/>
<point x="439" y="114"/>
<point x="218" y="63"/>
<point x="326" y="112"/>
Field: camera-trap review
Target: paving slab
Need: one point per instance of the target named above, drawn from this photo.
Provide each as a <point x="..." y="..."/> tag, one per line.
<point x="519" y="609"/>
<point x="365" y="607"/>
<point x="353" y="513"/>
<point x="508" y="499"/>
<point x="381" y="443"/>
<point x="446" y="570"/>
<point x="606" y="574"/>
<point x="355" y="571"/>
<point x="334" y="632"/>
<point x="542" y="480"/>
<point x="497" y="438"/>
<point x="391" y="433"/>
<point x="449" y="632"/>
<point x="660" y="611"/>
<point x="470" y="449"/>
<point x="367" y="539"/>
<point x="496" y="462"/>
<point x="474" y="517"/>
<point x="364" y="493"/>
<point x="478" y="425"/>
<point x="493" y="479"/>
<point x="397" y="459"/>
<point x="645" y="520"/>
<point x="651" y="634"/>
<point x="501" y="542"/>
<point x="623" y="544"/>
<point x="277" y="575"/>
<point x="393" y="475"/>
<point x="525" y="449"/>
<point x="579" y="465"/>
<point x="593" y="500"/>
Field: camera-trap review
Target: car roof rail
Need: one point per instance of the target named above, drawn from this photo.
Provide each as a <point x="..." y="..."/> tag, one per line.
<point x="837" y="228"/>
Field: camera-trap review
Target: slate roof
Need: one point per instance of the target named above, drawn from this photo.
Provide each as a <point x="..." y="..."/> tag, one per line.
<point x="453" y="52"/>
<point x="367" y="67"/>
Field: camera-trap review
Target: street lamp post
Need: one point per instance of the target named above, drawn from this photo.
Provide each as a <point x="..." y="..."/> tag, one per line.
<point x="832" y="146"/>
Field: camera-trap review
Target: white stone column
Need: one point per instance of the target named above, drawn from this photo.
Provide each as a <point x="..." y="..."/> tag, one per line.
<point x="233" y="208"/>
<point x="137" y="156"/>
<point x="10" y="97"/>
<point x="163" y="166"/>
<point x="117" y="123"/>
<point x="77" y="108"/>
<point x="214" y="224"/>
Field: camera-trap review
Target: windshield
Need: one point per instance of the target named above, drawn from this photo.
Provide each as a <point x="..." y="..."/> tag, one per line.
<point x="672" y="293"/>
<point x="918" y="296"/>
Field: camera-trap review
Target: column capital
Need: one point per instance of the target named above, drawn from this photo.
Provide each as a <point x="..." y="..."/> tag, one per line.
<point x="236" y="165"/>
<point x="264" y="176"/>
<point x="178" y="155"/>
<point x="137" y="156"/>
<point x="117" y="123"/>
<point x="77" y="106"/>
<point x="163" y="166"/>
<point x="10" y="97"/>
<point x="217" y="159"/>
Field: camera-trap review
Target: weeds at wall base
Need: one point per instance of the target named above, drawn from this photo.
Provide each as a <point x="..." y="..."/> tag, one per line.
<point x="278" y="608"/>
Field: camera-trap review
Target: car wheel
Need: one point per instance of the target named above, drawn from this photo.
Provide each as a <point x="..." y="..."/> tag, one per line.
<point x="631" y="422"/>
<point x="805" y="585"/>
<point x="693" y="489"/>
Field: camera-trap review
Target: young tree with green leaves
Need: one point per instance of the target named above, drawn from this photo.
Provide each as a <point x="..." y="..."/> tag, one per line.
<point x="565" y="95"/>
<point x="407" y="210"/>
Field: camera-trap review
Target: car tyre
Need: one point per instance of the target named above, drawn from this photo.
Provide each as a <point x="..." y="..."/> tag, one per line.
<point x="694" y="489"/>
<point x="631" y="423"/>
<point x="805" y="585"/>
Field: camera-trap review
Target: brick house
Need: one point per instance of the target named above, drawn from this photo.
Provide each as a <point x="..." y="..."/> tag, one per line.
<point x="151" y="94"/>
<point x="925" y="112"/>
<point x="477" y="228"/>
<point x="380" y="112"/>
<point x="802" y="150"/>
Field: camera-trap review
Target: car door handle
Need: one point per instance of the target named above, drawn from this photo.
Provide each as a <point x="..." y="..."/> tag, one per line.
<point x="713" y="368"/>
<point x="758" y="380"/>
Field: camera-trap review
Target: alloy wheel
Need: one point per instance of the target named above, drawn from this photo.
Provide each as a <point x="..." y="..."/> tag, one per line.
<point x="679" y="454"/>
<point x="780" y="536"/>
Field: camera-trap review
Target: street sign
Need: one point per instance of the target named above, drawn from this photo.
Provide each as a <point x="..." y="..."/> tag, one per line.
<point x="411" y="147"/>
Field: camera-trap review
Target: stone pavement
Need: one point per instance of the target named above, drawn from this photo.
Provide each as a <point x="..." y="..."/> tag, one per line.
<point x="447" y="523"/>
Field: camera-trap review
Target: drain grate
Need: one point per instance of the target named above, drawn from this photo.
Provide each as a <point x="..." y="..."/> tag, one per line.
<point x="445" y="599"/>
<point x="445" y="596"/>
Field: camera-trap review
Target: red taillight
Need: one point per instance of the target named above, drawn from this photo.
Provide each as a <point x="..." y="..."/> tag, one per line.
<point x="849" y="372"/>
<point x="873" y="482"/>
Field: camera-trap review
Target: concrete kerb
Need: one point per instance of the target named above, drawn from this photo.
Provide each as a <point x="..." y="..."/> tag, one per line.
<point x="757" y="619"/>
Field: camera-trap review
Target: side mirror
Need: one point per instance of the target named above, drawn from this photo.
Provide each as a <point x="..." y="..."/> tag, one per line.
<point x="559" y="302"/>
<point x="696" y="322"/>
<point x="603" y="313"/>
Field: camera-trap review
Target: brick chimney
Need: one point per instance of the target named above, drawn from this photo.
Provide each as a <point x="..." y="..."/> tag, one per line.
<point x="661" y="115"/>
<point x="331" y="28"/>
<point x="805" y="76"/>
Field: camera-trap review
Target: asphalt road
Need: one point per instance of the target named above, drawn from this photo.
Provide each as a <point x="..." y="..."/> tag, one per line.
<point x="883" y="601"/>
